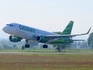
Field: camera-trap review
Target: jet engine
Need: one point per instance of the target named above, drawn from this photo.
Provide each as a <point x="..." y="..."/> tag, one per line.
<point x="15" y="38"/>
<point x="42" y="39"/>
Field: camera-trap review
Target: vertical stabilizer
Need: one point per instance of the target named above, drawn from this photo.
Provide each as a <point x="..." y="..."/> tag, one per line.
<point x="68" y="28"/>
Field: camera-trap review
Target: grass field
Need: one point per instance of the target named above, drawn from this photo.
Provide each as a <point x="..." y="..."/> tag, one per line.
<point x="46" y="61"/>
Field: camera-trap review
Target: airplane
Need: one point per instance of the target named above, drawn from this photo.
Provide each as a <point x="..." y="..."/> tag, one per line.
<point x="18" y="32"/>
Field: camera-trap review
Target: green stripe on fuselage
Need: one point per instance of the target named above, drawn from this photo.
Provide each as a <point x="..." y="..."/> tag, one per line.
<point x="61" y="41"/>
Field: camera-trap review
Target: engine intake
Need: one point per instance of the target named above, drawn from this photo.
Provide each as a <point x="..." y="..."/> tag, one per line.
<point x="14" y="38"/>
<point x="42" y="39"/>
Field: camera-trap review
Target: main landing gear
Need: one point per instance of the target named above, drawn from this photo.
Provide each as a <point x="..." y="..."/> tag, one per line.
<point x="45" y="46"/>
<point x="59" y="48"/>
<point x="26" y="45"/>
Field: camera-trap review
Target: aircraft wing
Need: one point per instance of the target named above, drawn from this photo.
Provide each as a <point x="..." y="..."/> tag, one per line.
<point x="67" y="35"/>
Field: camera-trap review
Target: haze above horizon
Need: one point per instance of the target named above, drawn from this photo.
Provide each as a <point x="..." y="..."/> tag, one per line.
<point x="49" y="15"/>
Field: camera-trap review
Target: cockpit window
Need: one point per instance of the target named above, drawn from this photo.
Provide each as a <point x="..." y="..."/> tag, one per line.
<point x="10" y="25"/>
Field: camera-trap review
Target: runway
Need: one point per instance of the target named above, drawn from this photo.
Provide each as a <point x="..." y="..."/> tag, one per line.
<point x="46" y="52"/>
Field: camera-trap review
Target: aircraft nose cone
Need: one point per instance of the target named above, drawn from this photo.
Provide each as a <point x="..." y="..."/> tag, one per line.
<point x="5" y="29"/>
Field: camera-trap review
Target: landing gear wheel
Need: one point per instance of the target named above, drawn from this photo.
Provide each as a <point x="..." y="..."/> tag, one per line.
<point x="45" y="46"/>
<point x="23" y="47"/>
<point x="27" y="45"/>
<point x="59" y="48"/>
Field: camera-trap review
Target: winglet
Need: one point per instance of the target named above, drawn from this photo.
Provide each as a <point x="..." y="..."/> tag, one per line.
<point x="88" y="30"/>
<point x="83" y="33"/>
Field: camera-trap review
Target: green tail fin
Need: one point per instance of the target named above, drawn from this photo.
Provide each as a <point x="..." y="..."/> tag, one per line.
<point x="68" y="28"/>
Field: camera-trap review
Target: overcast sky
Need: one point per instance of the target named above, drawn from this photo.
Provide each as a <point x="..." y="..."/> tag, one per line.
<point x="49" y="15"/>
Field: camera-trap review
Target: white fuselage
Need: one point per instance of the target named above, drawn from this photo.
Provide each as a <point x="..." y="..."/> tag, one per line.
<point x="26" y="32"/>
<point x="30" y="33"/>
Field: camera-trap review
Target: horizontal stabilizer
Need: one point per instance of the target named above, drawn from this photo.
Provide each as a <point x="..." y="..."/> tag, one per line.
<point x="78" y="40"/>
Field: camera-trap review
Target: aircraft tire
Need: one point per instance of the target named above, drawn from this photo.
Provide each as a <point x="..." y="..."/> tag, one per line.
<point x="27" y="45"/>
<point x="23" y="47"/>
<point x="45" y="46"/>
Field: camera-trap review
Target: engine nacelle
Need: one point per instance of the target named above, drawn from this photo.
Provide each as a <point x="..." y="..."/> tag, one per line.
<point x="42" y="39"/>
<point x="14" y="38"/>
